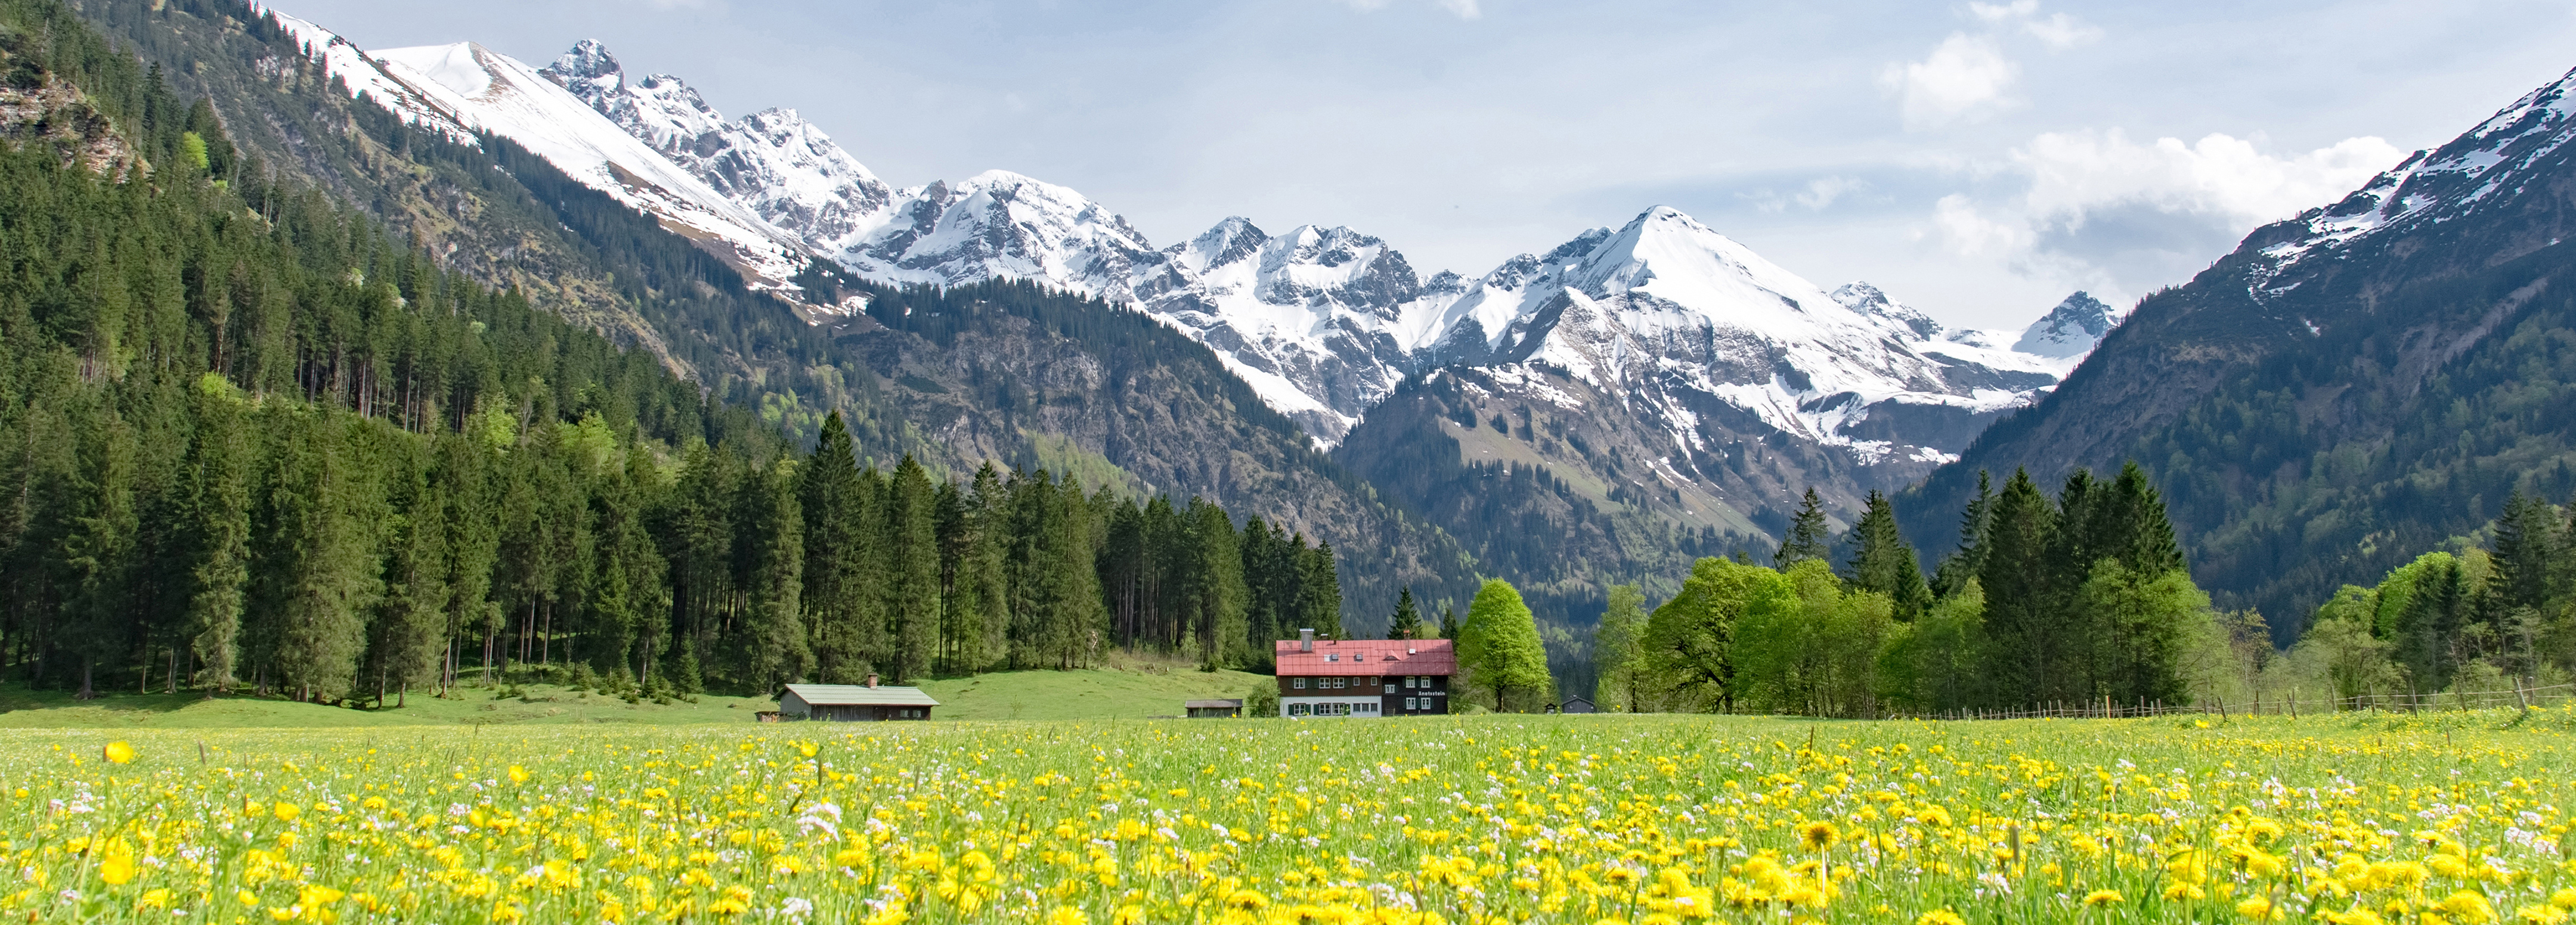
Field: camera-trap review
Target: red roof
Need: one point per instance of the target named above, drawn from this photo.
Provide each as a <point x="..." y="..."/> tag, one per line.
<point x="1368" y="657"/>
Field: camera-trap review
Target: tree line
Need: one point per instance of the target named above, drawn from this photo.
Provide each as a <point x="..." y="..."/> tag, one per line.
<point x="2079" y="598"/>
<point x="2489" y="614"/>
<point x="249" y="442"/>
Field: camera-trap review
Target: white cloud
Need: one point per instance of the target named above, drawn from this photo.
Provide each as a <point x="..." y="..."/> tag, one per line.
<point x="2061" y="32"/>
<point x="1972" y="234"/>
<point x="1998" y="12"/>
<point x="1815" y="195"/>
<point x="1965" y="77"/>
<point x="2219" y="175"/>
<point x="1463" y="9"/>
<point x="2101" y="210"/>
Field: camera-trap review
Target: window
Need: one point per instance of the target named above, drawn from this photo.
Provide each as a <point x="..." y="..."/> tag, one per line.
<point x="1299" y="684"/>
<point x="1299" y="709"/>
<point x="1413" y="703"/>
<point x="1332" y="656"/>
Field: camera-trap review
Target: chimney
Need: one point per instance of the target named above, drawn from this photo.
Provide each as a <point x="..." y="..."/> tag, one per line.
<point x="1305" y="640"/>
<point x="872" y="679"/>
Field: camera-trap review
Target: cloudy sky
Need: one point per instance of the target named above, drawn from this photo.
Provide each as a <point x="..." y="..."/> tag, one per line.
<point x="1978" y="160"/>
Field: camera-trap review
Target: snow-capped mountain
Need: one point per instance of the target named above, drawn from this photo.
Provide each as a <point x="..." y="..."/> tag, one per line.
<point x="465" y="89"/>
<point x="1666" y="305"/>
<point x="994" y="225"/>
<point x="1322" y="322"/>
<point x="2070" y="330"/>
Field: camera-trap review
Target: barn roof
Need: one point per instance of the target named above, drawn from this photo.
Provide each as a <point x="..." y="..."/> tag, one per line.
<point x="1368" y="657"/>
<point x="1211" y="704"/>
<point x="859" y="695"/>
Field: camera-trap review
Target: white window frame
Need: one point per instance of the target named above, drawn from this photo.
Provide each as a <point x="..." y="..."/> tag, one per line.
<point x="1298" y="683"/>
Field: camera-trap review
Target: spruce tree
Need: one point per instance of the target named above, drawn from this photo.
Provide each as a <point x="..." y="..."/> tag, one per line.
<point x="1407" y="621"/>
<point x="1884" y="562"/>
<point x="219" y="472"/>
<point x="837" y="596"/>
<point x="1809" y="537"/>
<point x="779" y="651"/>
<point x="1969" y="559"/>
<point x="912" y="573"/>
<point x="1321" y="593"/>
<point x="2028" y="655"/>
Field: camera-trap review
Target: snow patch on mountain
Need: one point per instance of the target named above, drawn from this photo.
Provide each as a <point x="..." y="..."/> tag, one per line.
<point x="2069" y="330"/>
<point x="465" y="88"/>
<point x="1322" y="322"/>
<point x="2430" y="187"/>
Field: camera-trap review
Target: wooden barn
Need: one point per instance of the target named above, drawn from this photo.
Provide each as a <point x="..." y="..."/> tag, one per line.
<point x="854" y="702"/>
<point x="1202" y="709"/>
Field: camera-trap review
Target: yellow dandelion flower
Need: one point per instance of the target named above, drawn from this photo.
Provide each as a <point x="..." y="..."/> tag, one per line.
<point x="2103" y="898"/>
<point x="116" y="865"/>
<point x="1067" y="915"/>
<point x="518" y="775"/>
<point x="1940" y="917"/>
<point x="286" y="812"/>
<point x="2255" y="907"/>
<point x="2542" y="915"/>
<point x="118" y="752"/>
<point x="2469" y="907"/>
<point x="1818" y="835"/>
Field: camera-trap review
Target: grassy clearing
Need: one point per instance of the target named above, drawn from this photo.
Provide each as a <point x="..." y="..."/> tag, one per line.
<point x="1126" y="688"/>
<point x="1451" y="819"/>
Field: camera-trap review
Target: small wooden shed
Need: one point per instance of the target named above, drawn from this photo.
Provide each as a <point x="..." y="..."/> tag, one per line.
<point x="1577" y="704"/>
<point x="1201" y="709"/>
<point x="854" y="702"/>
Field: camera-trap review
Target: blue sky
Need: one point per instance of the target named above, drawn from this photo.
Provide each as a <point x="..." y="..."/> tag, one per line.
<point x="1978" y="160"/>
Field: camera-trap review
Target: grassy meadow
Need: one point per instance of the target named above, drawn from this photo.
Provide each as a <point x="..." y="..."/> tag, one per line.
<point x="2456" y="817"/>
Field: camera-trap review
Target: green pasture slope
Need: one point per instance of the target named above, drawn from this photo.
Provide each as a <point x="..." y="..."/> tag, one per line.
<point x="1089" y="694"/>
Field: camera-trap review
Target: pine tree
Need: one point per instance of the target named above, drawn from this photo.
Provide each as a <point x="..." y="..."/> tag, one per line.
<point x="411" y="628"/>
<point x="1884" y="562"/>
<point x="219" y="471"/>
<point x="779" y="651"/>
<point x="322" y="558"/>
<point x="1969" y="560"/>
<point x="912" y="573"/>
<point x="2028" y="657"/>
<point x="839" y="599"/>
<point x="1214" y="587"/>
<point x="1321" y="594"/>
<point x="1449" y="623"/>
<point x="1809" y="536"/>
<point x="1407" y="621"/>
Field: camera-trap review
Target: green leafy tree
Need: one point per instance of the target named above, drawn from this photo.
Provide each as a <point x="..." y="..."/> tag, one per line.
<point x="1499" y="644"/>
<point x="1616" y="650"/>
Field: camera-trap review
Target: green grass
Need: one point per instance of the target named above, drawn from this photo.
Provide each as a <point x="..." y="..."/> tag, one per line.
<point x="50" y="709"/>
<point x="1133" y="690"/>
<point x="1141" y="693"/>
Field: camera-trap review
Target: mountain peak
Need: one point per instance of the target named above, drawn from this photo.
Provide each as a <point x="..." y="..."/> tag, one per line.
<point x="1860" y="296"/>
<point x="588" y="60"/>
<point x="2070" y="329"/>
